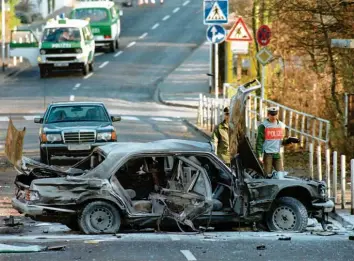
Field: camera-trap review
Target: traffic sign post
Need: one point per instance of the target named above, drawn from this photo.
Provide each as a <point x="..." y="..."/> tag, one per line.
<point x="216" y="11"/>
<point x="264" y="56"/>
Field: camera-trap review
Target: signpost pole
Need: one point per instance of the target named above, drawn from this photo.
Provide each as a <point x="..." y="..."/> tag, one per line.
<point x="216" y="71"/>
<point x="3" y="33"/>
<point x="210" y="66"/>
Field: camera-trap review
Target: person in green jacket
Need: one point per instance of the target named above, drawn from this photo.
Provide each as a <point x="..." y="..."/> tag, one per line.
<point x="220" y="138"/>
<point x="270" y="138"/>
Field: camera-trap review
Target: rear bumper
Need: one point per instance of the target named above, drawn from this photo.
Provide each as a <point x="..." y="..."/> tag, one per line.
<point x="25" y="208"/>
<point x="103" y="42"/>
<point x="63" y="149"/>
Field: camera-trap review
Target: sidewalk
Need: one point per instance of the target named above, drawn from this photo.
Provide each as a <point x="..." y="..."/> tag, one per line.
<point x="183" y="86"/>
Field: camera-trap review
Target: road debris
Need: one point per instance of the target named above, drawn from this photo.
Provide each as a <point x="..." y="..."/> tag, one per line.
<point x="5" y="248"/>
<point x="56" y="248"/>
<point x="284" y="238"/>
<point x="12" y="222"/>
<point x="261" y="247"/>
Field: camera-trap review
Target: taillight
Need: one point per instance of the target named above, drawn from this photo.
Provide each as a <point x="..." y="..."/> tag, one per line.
<point x="107" y="37"/>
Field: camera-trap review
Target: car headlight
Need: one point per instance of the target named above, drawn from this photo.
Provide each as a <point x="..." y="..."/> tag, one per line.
<point x="33" y="195"/>
<point x="78" y="50"/>
<point x="104" y="136"/>
<point x="53" y="137"/>
<point x="42" y="52"/>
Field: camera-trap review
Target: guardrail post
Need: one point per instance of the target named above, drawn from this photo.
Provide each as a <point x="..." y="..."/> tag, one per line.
<point x="212" y="119"/>
<point x="352" y="187"/>
<point x="205" y="111"/>
<point x="290" y="122"/>
<point x="208" y="113"/>
<point x="319" y="162"/>
<point x="302" y="131"/>
<point x="342" y="181"/>
<point x="20" y="40"/>
<point x="335" y="176"/>
<point x="247" y="118"/>
<point x="311" y="160"/>
<point x="328" y="172"/>
<point x="200" y="110"/>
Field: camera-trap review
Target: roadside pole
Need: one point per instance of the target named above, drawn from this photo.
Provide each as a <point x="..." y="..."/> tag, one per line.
<point x="216" y="71"/>
<point x="3" y="7"/>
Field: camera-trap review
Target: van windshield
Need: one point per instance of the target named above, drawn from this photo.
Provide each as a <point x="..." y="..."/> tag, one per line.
<point x="95" y="14"/>
<point x="64" y="34"/>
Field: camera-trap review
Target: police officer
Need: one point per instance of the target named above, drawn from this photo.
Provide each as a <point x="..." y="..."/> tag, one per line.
<point x="220" y="138"/>
<point x="270" y="138"/>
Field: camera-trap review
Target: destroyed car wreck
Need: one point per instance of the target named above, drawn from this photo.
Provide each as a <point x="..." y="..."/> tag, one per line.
<point x="166" y="182"/>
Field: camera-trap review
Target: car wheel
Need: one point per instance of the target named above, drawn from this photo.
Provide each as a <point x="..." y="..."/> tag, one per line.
<point x="287" y="214"/>
<point x="85" y="69"/>
<point x="91" y="66"/>
<point x="113" y="46"/>
<point x="99" y="217"/>
<point x="43" y="72"/>
<point x="44" y="157"/>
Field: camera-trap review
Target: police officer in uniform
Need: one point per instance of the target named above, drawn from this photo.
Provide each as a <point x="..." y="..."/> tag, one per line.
<point x="220" y="138"/>
<point x="270" y="138"/>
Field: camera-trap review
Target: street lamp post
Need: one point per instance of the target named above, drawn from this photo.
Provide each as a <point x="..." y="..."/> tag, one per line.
<point x="3" y="34"/>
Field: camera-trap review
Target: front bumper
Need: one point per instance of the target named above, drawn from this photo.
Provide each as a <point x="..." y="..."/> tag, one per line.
<point x="326" y="206"/>
<point x="62" y="149"/>
<point x="63" y="65"/>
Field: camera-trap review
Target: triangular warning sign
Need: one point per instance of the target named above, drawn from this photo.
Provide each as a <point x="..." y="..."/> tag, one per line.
<point x="239" y="32"/>
<point x="216" y="13"/>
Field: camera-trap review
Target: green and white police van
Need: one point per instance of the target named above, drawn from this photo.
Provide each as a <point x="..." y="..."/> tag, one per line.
<point x="66" y="44"/>
<point x="104" y="17"/>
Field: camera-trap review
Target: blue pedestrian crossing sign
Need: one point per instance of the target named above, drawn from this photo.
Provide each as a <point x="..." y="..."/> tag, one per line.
<point x="216" y="11"/>
<point x="216" y="34"/>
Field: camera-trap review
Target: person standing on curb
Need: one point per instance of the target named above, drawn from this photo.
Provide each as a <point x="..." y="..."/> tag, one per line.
<point x="270" y="138"/>
<point x="220" y="138"/>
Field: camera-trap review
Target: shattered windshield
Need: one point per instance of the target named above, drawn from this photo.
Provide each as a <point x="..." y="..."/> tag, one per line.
<point x="76" y="113"/>
<point x="64" y="34"/>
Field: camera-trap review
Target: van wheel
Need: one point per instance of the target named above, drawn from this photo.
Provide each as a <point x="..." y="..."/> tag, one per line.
<point x="85" y="69"/>
<point x="43" y="72"/>
<point x="287" y="214"/>
<point x="91" y="66"/>
<point x="113" y="46"/>
<point x="99" y="217"/>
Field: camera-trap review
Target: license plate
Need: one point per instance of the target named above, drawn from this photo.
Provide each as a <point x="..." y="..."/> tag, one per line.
<point x="61" y="64"/>
<point x="79" y="147"/>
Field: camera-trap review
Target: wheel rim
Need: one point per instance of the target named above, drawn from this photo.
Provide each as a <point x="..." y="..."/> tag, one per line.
<point x="284" y="218"/>
<point x="101" y="218"/>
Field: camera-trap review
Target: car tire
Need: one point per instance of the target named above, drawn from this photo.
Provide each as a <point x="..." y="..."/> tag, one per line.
<point x="43" y="72"/>
<point x="99" y="217"/>
<point x="113" y="46"/>
<point x="86" y="69"/>
<point x="91" y="68"/>
<point x="287" y="214"/>
<point x="44" y="157"/>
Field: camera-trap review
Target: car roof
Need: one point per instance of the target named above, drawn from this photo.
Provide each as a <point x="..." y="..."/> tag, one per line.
<point x="167" y="145"/>
<point x="75" y="103"/>
<point x="94" y="4"/>
<point x="79" y="23"/>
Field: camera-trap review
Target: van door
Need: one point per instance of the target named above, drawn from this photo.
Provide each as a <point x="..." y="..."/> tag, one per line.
<point x="24" y="43"/>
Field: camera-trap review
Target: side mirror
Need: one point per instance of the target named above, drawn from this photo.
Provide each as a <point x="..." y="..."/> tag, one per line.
<point x="116" y="118"/>
<point x="38" y="120"/>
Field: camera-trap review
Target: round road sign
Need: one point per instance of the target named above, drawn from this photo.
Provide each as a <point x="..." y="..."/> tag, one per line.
<point x="263" y="35"/>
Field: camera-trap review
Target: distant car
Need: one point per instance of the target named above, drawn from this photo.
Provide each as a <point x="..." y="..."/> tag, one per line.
<point x="74" y="129"/>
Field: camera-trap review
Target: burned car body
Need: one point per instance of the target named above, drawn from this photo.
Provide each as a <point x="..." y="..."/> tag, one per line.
<point x="149" y="184"/>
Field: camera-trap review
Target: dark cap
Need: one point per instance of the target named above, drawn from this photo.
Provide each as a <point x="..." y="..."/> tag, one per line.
<point x="226" y="110"/>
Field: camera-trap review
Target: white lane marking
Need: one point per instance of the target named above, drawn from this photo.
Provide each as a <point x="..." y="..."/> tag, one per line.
<point x="103" y="64"/>
<point x="77" y="86"/>
<point x="4" y="118"/>
<point x="161" y="119"/>
<point x="72" y="97"/>
<point x="186" y="3"/>
<point x="143" y="35"/>
<point x="176" y="10"/>
<point x="117" y="54"/>
<point x="165" y="18"/>
<point x="30" y="118"/>
<point x="188" y="255"/>
<point x="155" y="26"/>
<point x="174" y="238"/>
<point x="131" y="44"/>
<point x="130" y="118"/>
<point x="98" y="54"/>
<point x="88" y="76"/>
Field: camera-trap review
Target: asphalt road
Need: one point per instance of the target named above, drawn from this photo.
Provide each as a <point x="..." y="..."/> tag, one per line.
<point x="155" y="39"/>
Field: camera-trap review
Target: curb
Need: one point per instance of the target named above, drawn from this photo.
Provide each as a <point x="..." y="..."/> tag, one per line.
<point x="340" y="219"/>
<point x="161" y="100"/>
<point x="196" y="128"/>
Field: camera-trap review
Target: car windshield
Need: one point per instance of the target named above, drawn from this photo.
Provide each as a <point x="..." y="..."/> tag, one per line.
<point x="95" y="14"/>
<point x="58" y="35"/>
<point x="76" y="113"/>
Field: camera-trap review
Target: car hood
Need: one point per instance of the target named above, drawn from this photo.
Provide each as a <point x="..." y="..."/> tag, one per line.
<point x="239" y="142"/>
<point x="74" y="125"/>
